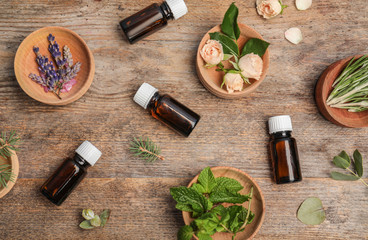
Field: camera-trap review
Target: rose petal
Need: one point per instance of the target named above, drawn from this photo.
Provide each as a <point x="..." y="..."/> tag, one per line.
<point x="303" y="4"/>
<point x="294" y="35"/>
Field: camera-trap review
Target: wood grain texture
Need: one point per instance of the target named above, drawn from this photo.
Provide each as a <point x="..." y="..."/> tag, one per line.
<point x="230" y="133"/>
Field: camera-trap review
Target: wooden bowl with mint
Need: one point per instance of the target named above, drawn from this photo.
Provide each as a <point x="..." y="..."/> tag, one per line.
<point x="54" y="65"/>
<point x="215" y="204"/>
<point x="342" y="92"/>
<point x="232" y="58"/>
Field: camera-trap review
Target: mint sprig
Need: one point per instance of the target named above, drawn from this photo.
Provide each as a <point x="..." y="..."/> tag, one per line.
<point x="204" y="198"/>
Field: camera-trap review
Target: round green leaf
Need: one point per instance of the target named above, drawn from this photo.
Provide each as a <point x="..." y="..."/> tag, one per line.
<point x="96" y="221"/>
<point x="311" y="211"/>
<point x="86" y="224"/>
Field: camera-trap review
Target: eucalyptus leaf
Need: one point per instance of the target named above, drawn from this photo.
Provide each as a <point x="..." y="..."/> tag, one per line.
<point x="256" y="46"/>
<point x="229" y="24"/>
<point x="358" y="163"/>
<point x="343" y="177"/>
<point x="228" y="45"/>
<point x="105" y="215"/>
<point x="96" y="221"/>
<point x="311" y="211"/>
<point x="341" y="162"/>
<point x="86" y="224"/>
<point x="345" y="156"/>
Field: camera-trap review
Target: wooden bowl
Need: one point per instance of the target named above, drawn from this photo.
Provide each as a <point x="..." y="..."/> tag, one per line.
<point x="341" y="117"/>
<point x="25" y="63"/>
<point x="13" y="161"/>
<point x="212" y="79"/>
<point x="257" y="206"/>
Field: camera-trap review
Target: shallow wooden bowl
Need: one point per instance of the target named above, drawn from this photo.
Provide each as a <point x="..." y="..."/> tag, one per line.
<point x="212" y="79"/>
<point x="257" y="206"/>
<point x="323" y="89"/>
<point x="25" y="63"/>
<point x="13" y="161"/>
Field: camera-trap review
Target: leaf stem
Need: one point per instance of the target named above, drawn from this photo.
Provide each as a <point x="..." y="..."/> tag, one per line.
<point x="152" y="153"/>
<point x="360" y="179"/>
<point x="248" y="212"/>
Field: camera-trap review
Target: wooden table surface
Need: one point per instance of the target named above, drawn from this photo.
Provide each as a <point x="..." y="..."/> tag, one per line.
<point x="230" y="133"/>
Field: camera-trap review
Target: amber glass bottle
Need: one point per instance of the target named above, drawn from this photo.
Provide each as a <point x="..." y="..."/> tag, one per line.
<point x="283" y="150"/>
<point x="167" y="109"/>
<point x="71" y="172"/>
<point x="152" y="19"/>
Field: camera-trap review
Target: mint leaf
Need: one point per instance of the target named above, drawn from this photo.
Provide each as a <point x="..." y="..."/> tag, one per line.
<point x="207" y="223"/>
<point x="229" y="46"/>
<point x="358" y="163"/>
<point x="207" y="180"/>
<point x="256" y="46"/>
<point x="343" y="177"/>
<point x="224" y="183"/>
<point x="184" y="207"/>
<point x="204" y="236"/>
<point x="188" y="196"/>
<point x="198" y="187"/>
<point x="229" y="24"/>
<point x="228" y="197"/>
<point x="185" y="233"/>
<point x="341" y="162"/>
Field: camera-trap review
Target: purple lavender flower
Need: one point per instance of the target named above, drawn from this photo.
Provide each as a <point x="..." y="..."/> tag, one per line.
<point x="55" y="51"/>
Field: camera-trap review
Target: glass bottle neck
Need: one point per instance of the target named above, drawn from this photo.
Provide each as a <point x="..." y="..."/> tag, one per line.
<point x="166" y="11"/>
<point x="81" y="161"/>
<point x="153" y="102"/>
<point x="282" y="134"/>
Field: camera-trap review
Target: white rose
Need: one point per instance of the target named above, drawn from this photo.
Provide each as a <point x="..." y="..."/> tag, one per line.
<point x="212" y="52"/>
<point x="268" y="8"/>
<point x="251" y="66"/>
<point x="233" y="82"/>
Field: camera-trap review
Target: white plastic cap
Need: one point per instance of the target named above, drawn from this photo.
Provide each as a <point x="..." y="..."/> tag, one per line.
<point x="177" y="7"/>
<point x="279" y="124"/>
<point x="144" y="95"/>
<point x="88" y="152"/>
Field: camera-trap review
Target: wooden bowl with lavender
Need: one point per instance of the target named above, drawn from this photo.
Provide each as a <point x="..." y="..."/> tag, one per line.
<point x="212" y="79"/>
<point x="54" y="65"/>
<point x="338" y="104"/>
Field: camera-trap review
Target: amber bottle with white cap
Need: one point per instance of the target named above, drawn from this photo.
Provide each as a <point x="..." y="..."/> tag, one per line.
<point x="167" y="109"/>
<point x="152" y="19"/>
<point x="58" y="187"/>
<point x="283" y="150"/>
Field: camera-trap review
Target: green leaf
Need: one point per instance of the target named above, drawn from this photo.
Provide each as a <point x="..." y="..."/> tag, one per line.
<point x="343" y="177"/>
<point x="96" y="221"/>
<point x="105" y="215"/>
<point x="190" y="197"/>
<point x="341" y="162"/>
<point x="228" y="197"/>
<point x="207" y="180"/>
<point x="86" y="225"/>
<point x="185" y="233"/>
<point x="256" y="46"/>
<point x="88" y="214"/>
<point x="227" y="57"/>
<point x="224" y="183"/>
<point x="345" y="156"/>
<point x="184" y="207"/>
<point x="228" y="45"/>
<point x="204" y="236"/>
<point x="229" y="24"/>
<point x="282" y="7"/>
<point x="311" y="211"/>
<point x="358" y="163"/>
<point x="198" y="187"/>
<point x="207" y="223"/>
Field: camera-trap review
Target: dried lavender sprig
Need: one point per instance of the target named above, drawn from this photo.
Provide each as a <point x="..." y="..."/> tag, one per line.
<point x="68" y="57"/>
<point x="54" y="49"/>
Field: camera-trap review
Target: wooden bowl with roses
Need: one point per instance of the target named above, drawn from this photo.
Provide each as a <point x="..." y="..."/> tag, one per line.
<point x="232" y="58"/>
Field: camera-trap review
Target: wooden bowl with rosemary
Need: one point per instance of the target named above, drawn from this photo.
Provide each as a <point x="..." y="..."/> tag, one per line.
<point x="257" y="204"/>
<point x="212" y="79"/>
<point x="349" y="108"/>
<point x="72" y="74"/>
<point x="12" y="164"/>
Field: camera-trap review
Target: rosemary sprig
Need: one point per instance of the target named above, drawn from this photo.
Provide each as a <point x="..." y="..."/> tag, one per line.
<point x="8" y="143"/>
<point x="146" y="149"/>
<point x="351" y="87"/>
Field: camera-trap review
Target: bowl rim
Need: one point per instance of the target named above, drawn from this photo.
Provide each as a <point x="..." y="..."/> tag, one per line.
<point x="15" y="168"/>
<point x="217" y="90"/>
<point x="321" y="96"/>
<point x="194" y="180"/>
<point x="84" y="87"/>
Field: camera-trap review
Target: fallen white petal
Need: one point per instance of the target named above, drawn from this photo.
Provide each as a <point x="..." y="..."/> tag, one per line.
<point x="303" y="4"/>
<point x="294" y="35"/>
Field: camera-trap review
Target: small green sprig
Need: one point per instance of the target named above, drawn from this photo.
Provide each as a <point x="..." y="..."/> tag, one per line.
<point x="145" y="149"/>
<point x="344" y="161"/>
<point x="8" y="144"/>
<point x="93" y="220"/>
